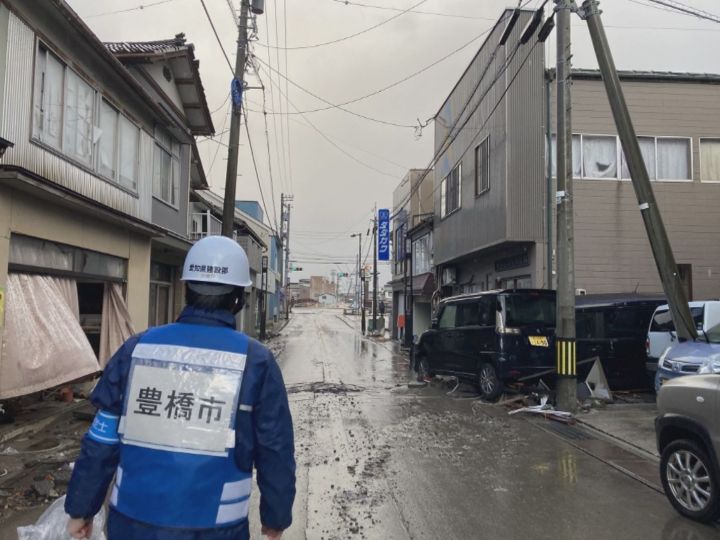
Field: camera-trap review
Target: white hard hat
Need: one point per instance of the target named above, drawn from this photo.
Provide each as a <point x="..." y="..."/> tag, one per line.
<point x="217" y="260"/>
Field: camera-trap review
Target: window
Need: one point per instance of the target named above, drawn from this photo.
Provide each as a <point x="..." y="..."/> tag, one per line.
<point x="129" y="142"/>
<point x="166" y="168"/>
<point x="673" y="159"/>
<point x="422" y="254"/>
<point x="599" y="156"/>
<point x="710" y="160"/>
<point x="576" y="155"/>
<point x="64" y="106"/>
<point x="647" y="149"/>
<point x="468" y="315"/>
<point x="450" y="192"/>
<point x="107" y="145"/>
<point x="482" y="167"/>
<point x="448" y="317"/>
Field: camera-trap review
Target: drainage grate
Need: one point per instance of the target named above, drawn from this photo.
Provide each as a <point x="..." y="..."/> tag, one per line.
<point x="569" y="432"/>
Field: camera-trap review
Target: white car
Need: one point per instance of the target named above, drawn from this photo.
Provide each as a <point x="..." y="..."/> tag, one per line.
<point x="661" y="332"/>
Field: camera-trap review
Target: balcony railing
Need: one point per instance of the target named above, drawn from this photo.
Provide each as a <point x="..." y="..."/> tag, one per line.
<point x="204" y="224"/>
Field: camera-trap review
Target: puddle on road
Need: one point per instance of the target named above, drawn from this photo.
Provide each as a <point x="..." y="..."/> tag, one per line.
<point x="321" y="387"/>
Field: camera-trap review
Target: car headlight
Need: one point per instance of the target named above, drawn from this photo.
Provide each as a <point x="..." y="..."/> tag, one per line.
<point x="709" y="367"/>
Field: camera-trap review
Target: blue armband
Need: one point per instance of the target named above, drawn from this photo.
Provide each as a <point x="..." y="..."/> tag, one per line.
<point x="104" y="428"/>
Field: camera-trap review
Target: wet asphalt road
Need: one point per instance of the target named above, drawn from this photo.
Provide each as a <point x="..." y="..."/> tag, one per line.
<point x="379" y="460"/>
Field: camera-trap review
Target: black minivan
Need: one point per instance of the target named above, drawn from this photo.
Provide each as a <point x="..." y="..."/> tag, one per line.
<point x="492" y="337"/>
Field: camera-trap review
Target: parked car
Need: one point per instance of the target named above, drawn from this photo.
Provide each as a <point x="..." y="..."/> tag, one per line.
<point x="491" y="338"/>
<point x="690" y="357"/>
<point x="688" y="438"/>
<point x="613" y="327"/>
<point x="661" y="332"/>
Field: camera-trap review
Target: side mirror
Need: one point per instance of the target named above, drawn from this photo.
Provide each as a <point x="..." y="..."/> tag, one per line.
<point x="434" y="324"/>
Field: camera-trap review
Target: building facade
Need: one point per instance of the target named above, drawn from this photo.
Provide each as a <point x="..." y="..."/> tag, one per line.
<point x="494" y="199"/>
<point x="412" y="218"/>
<point x="93" y="197"/>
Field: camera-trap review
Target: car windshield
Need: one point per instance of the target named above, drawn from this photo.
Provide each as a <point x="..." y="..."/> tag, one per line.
<point x="526" y="309"/>
<point x="662" y="321"/>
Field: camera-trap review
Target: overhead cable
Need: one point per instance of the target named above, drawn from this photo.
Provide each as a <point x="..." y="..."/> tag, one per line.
<point x="217" y="37"/>
<point x="417" y="12"/>
<point x="335" y="106"/>
<point x="366" y="30"/>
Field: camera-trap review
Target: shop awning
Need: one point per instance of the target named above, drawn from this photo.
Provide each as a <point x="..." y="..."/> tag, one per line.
<point x="422" y="285"/>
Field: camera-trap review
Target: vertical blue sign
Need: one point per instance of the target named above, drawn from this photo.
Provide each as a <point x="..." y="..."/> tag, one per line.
<point x="383" y="234"/>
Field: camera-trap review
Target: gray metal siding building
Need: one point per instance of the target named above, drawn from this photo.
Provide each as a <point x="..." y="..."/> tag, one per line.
<point x="499" y="238"/>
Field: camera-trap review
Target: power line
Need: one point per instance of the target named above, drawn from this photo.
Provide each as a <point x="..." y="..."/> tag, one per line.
<point x="333" y="105"/>
<point x="366" y="30"/>
<point x="217" y="37"/>
<point x="687" y="9"/>
<point x="286" y="163"/>
<point x="287" y="93"/>
<point x="267" y="142"/>
<point x="257" y="176"/>
<point x="400" y="81"/>
<point x="417" y="12"/>
<point x="127" y="10"/>
<point x="333" y="143"/>
<point x="479" y="130"/>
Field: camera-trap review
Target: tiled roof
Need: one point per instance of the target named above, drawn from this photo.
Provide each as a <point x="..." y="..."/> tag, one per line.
<point x="163" y="46"/>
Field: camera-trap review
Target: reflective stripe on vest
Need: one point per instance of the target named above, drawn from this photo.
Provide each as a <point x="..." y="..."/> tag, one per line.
<point x="177" y="467"/>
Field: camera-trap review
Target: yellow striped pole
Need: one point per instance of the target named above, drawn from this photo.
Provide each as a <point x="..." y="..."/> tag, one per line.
<point x="566" y="357"/>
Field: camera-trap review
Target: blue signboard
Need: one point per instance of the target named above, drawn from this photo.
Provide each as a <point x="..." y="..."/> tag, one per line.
<point x="383" y="234"/>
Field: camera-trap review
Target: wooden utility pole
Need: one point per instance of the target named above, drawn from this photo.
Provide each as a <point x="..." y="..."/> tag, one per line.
<point x="565" y="330"/>
<point x="659" y="241"/>
<point x="233" y="145"/>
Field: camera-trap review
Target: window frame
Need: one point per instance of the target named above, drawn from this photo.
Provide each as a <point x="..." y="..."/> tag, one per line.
<point x="485" y="189"/>
<point x="159" y="144"/>
<point x="700" y="154"/>
<point x="690" y="161"/>
<point x="444" y="213"/>
<point x="93" y="165"/>
<point x="620" y="157"/>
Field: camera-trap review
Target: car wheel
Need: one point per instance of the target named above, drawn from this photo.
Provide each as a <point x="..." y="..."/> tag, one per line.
<point x="689" y="480"/>
<point x="488" y="382"/>
<point x="424" y="364"/>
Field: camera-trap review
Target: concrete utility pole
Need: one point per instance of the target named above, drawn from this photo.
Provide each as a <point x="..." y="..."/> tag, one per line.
<point x="659" y="241"/>
<point x="263" y="297"/>
<point x="375" y="273"/>
<point x="363" y="299"/>
<point x="359" y="262"/>
<point x="232" y="165"/>
<point x="285" y="207"/>
<point x="565" y="330"/>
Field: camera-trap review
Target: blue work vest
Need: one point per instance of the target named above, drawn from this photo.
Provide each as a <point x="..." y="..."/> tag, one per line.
<point x="177" y="467"/>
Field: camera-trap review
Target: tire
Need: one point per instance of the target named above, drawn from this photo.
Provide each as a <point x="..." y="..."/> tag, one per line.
<point x="488" y="382"/>
<point x="424" y="364"/>
<point x="690" y="480"/>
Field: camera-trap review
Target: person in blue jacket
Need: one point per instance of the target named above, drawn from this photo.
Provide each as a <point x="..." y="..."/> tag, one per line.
<point x="185" y="411"/>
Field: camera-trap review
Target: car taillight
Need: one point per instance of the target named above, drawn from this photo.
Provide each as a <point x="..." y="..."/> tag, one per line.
<point x="647" y="346"/>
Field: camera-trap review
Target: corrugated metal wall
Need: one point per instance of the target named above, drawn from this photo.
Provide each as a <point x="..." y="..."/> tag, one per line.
<point x="483" y="220"/>
<point x="16" y="126"/>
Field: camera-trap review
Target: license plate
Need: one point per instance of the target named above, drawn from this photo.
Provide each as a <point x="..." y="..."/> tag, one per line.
<point x="538" y="341"/>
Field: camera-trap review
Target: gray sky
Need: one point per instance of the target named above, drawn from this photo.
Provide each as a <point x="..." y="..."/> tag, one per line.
<point x="334" y="194"/>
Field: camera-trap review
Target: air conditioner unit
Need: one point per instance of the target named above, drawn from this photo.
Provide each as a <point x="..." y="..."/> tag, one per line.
<point x="449" y="276"/>
<point x="580" y="292"/>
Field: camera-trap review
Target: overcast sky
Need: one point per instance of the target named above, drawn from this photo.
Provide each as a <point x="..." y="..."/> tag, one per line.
<point x="335" y="192"/>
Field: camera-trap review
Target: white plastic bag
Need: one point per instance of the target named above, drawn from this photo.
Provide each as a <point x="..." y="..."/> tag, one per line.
<point x="53" y="522"/>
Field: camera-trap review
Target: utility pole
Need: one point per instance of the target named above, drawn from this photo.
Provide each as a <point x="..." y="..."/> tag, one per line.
<point x="237" y="90"/>
<point x="263" y="297"/>
<point x="375" y="276"/>
<point x="565" y="332"/>
<point x="363" y="299"/>
<point x="659" y="241"/>
<point x="359" y="262"/>
<point x="285" y="207"/>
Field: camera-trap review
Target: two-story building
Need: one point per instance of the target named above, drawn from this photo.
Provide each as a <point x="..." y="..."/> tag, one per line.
<point x="93" y="194"/>
<point x="412" y="217"/>
<point x="494" y="197"/>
